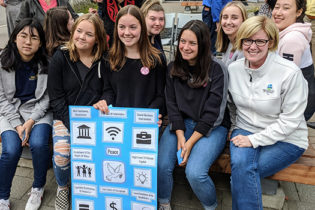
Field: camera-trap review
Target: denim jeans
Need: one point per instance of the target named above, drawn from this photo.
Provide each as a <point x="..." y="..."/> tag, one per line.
<point x="203" y="154"/>
<point x="61" y="156"/>
<point x="11" y="153"/>
<point x="207" y="19"/>
<point x="250" y="164"/>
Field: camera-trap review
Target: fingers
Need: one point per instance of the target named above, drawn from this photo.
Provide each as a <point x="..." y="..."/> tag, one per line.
<point x="102" y="106"/>
<point x="159" y="123"/>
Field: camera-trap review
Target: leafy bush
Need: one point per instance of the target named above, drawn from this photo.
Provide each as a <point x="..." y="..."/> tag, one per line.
<point x="82" y="6"/>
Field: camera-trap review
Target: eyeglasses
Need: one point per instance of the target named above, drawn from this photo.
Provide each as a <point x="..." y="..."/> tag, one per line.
<point x="258" y="42"/>
<point x="27" y="37"/>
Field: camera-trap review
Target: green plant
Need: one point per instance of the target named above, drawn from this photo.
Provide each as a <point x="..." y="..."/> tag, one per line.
<point x="82" y="6"/>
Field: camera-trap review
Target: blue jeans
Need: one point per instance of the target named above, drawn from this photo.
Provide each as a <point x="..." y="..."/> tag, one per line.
<point x="207" y="19"/>
<point x="61" y="156"/>
<point x="11" y="153"/>
<point x="203" y="154"/>
<point x="249" y="165"/>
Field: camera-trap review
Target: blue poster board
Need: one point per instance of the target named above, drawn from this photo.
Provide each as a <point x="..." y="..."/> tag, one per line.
<point x="114" y="158"/>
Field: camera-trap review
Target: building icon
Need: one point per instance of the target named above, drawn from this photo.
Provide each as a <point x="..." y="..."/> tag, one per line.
<point x="84" y="132"/>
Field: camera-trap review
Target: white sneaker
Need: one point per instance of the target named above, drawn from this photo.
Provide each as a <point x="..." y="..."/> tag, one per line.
<point x="4" y="204"/>
<point x="35" y="199"/>
<point x="62" y="199"/>
<point x="165" y="206"/>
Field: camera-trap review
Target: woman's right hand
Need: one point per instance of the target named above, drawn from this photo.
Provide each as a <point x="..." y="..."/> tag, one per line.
<point x="180" y="139"/>
<point x="102" y="106"/>
<point x="20" y="130"/>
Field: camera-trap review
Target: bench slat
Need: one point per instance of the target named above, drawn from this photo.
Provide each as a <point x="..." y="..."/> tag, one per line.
<point x="191" y="3"/>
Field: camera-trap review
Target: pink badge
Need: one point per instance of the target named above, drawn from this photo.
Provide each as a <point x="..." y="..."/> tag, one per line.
<point x="144" y="70"/>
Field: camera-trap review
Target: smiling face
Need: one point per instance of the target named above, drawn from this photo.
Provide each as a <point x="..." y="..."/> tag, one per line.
<point x="84" y="36"/>
<point x="155" y="22"/>
<point x="285" y="13"/>
<point x="188" y="46"/>
<point x="28" y="43"/>
<point x="254" y="54"/>
<point x="129" y="30"/>
<point x="231" y="21"/>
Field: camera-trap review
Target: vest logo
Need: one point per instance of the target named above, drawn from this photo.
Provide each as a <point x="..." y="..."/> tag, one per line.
<point x="269" y="89"/>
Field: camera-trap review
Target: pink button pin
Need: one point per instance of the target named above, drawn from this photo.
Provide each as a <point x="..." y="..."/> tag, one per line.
<point x="144" y="70"/>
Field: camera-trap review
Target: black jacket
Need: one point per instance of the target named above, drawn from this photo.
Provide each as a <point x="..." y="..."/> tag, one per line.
<point x="65" y="86"/>
<point x="33" y="9"/>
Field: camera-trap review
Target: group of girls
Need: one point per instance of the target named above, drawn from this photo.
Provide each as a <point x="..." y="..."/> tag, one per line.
<point x="267" y="117"/>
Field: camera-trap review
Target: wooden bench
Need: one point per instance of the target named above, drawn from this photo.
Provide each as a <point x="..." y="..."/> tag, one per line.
<point x="302" y="171"/>
<point x="191" y="3"/>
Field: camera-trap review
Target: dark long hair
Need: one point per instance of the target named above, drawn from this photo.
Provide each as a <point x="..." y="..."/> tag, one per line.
<point x="300" y="4"/>
<point x="200" y="75"/>
<point x="271" y="3"/>
<point x="10" y="55"/>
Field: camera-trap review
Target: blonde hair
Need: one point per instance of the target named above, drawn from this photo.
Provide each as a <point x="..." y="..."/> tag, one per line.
<point x="223" y="41"/>
<point x="254" y="24"/>
<point x="148" y="54"/>
<point x="100" y="45"/>
<point x="153" y="5"/>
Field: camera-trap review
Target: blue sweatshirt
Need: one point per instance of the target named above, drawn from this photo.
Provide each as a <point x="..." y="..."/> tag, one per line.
<point x="216" y="7"/>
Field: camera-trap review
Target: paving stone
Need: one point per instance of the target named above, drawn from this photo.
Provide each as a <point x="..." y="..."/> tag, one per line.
<point x="26" y="172"/>
<point x="183" y="196"/>
<point x="25" y="163"/>
<point x="274" y="201"/>
<point x="306" y="193"/>
<point x="226" y="199"/>
<point x="290" y="190"/>
<point x="305" y="206"/>
<point x="20" y="187"/>
<point x="50" y="194"/>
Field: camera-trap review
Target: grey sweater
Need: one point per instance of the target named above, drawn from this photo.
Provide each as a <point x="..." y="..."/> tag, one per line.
<point x="12" y="113"/>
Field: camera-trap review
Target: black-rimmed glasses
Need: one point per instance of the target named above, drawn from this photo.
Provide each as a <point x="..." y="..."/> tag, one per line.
<point x="258" y="42"/>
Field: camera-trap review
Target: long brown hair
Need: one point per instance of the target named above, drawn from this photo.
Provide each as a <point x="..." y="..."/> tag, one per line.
<point x="55" y="26"/>
<point x="200" y="76"/>
<point x="148" y="54"/>
<point x="100" y="45"/>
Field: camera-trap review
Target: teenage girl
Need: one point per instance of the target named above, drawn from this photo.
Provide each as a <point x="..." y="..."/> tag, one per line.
<point x="136" y="73"/>
<point x="196" y="99"/>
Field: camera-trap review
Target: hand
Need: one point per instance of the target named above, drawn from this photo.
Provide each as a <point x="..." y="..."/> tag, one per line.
<point x="92" y="11"/>
<point x="102" y="106"/>
<point x="2" y="3"/>
<point x="160" y="120"/>
<point x="98" y="1"/>
<point x="180" y="139"/>
<point x="241" y="141"/>
<point x="27" y="126"/>
<point x="186" y="152"/>
<point x="19" y="129"/>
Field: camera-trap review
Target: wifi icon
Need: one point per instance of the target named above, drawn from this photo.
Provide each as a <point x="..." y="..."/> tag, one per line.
<point x="113" y="131"/>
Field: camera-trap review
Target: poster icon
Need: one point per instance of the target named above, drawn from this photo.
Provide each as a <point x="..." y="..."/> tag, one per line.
<point x="114" y="171"/>
<point x="83" y="133"/>
<point x="142" y="177"/>
<point x="83" y="171"/>
<point x="84" y="205"/>
<point x="144" y="138"/>
<point x="113" y="132"/>
<point x="113" y="203"/>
